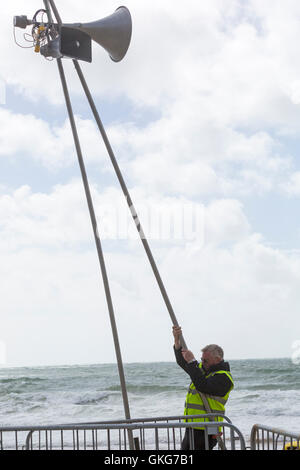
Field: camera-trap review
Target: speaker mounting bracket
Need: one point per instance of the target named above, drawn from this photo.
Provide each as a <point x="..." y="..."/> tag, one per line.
<point x="75" y="44"/>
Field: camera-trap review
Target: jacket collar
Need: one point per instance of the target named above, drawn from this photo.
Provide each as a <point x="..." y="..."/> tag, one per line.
<point x="220" y="366"/>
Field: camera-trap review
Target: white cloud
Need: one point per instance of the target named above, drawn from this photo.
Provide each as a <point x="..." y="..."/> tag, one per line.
<point x="217" y="78"/>
<point x="214" y="53"/>
<point x="237" y="297"/>
<point x="24" y="135"/>
<point x="31" y="219"/>
<point x="204" y="155"/>
<point x="225" y="221"/>
<point x="222" y="78"/>
<point x="292" y="186"/>
<point x="198" y="157"/>
<point x="232" y="281"/>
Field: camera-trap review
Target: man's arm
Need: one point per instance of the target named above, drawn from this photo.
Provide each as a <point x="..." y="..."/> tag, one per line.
<point x="183" y="356"/>
<point x="180" y="359"/>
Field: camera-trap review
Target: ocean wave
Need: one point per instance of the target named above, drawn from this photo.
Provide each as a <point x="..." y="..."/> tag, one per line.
<point x="92" y="400"/>
<point x="248" y="397"/>
<point x="23" y="380"/>
<point x="274" y="386"/>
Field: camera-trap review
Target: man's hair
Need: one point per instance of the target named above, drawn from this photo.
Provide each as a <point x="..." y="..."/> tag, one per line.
<point x="214" y="350"/>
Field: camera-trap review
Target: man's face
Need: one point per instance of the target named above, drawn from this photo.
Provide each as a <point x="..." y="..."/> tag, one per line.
<point x="208" y="360"/>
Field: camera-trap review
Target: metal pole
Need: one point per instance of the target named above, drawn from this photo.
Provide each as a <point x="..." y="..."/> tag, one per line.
<point x="135" y="217"/>
<point x="48" y="10"/>
<point x="128" y="198"/>
<point x="96" y="235"/>
<point x="55" y="11"/>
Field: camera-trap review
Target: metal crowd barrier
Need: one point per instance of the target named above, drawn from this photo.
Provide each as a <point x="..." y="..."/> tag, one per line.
<point x="149" y="434"/>
<point x="268" y="438"/>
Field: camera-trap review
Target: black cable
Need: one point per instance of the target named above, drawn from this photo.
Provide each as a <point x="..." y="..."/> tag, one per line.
<point x="37" y="13"/>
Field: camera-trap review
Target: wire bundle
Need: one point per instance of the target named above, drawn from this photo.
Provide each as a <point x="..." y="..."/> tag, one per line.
<point x="42" y="32"/>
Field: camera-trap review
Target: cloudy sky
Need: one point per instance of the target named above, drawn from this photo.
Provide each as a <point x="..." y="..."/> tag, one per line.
<point x="204" y="117"/>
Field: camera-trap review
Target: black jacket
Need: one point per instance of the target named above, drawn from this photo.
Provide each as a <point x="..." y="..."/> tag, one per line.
<point x="218" y="384"/>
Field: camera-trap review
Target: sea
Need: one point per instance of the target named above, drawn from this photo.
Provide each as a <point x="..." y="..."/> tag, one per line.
<point x="267" y="391"/>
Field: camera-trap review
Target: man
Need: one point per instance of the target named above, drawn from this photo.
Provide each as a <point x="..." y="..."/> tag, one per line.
<point x="210" y="377"/>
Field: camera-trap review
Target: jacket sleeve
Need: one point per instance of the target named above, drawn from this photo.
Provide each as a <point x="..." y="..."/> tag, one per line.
<point x="218" y="384"/>
<point x="180" y="359"/>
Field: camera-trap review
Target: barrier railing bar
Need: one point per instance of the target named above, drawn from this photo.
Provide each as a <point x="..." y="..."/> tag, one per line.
<point x="272" y="436"/>
<point x="55" y="436"/>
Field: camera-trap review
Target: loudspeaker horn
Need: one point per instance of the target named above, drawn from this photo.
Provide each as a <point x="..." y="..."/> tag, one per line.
<point x="113" y="33"/>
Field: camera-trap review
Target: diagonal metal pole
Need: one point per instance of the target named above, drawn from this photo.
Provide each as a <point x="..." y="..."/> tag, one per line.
<point x="127" y="197"/>
<point x="97" y="240"/>
<point x="50" y="4"/>
<point x="135" y="217"/>
<point x="48" y="10"/>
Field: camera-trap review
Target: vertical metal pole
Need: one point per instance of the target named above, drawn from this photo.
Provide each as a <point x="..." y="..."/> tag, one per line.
<point x="96" y="235"/>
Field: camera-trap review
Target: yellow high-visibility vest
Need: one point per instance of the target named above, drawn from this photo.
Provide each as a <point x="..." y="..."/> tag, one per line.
<point x="194" y="404"/>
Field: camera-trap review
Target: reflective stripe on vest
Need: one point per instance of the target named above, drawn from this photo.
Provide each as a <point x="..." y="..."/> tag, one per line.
<point x="193" y="391"/>
<point x="193" y="406"/>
